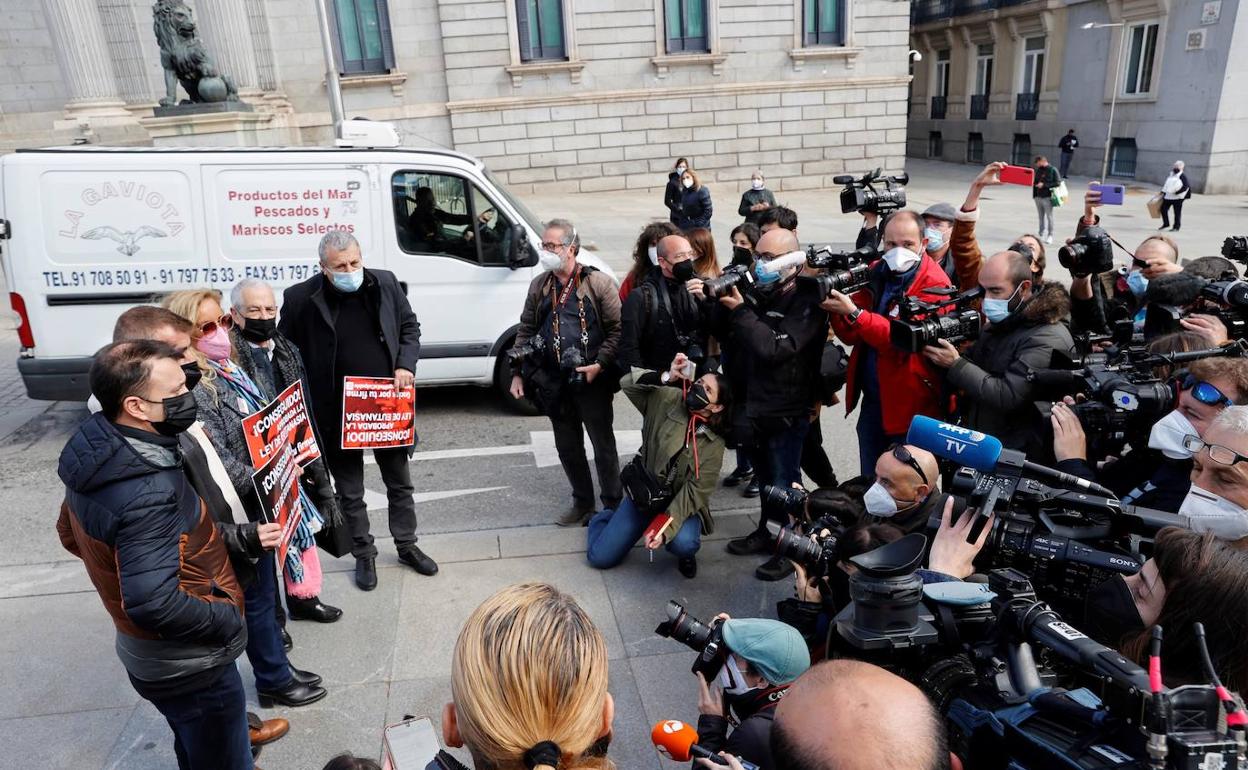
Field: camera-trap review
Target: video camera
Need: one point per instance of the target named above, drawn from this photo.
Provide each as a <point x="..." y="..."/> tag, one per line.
<point x="920" y="323"/>
<point x="863" y="195"/>
<point x="706" y="640"/>
<point x="1236" y="248"/>
<point x="1089" y="253"/>
<point x="846" y="271"/>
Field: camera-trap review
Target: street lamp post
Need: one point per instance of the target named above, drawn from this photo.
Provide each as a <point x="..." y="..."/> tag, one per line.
<point x="1113" y="94"/>
<point x="331" y="68"/>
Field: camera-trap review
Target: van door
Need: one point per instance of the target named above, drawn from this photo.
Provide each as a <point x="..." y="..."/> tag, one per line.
<point x="452" y="243"/>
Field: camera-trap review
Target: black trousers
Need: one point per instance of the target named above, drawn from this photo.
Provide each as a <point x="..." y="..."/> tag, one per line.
<point x="588" y="410"/>
<point x="347" y="467"/>
<point x="815" y="460"/>
<point x="1166" y="205"/>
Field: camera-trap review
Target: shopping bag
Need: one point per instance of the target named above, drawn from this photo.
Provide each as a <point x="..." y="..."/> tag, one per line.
<point x="1154" y="206"/>
<point x="1060" y="195"/>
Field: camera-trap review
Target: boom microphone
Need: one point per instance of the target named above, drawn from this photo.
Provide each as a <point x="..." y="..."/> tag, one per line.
<point x="984" y="453"/>
<point x="1175" y="289"/>
<point x="679" y="741"/>
<point x="792" y="259"/>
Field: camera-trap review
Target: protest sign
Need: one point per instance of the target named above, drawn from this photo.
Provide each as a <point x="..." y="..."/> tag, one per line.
<point x="376" y="414"/>
<point x="282" y="422"/>
<point x="277" y="484"/>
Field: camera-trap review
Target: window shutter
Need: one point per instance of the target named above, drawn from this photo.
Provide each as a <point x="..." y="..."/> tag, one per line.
<point x="387" y="41"/>
<point x="522" y="29"/>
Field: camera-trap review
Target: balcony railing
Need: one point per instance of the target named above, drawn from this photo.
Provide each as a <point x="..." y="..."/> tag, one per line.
<point x="938" y="107"/>
<point x="922" y="11"/>
<point x="979" y="106"/>
<point x="1027" y="106"/>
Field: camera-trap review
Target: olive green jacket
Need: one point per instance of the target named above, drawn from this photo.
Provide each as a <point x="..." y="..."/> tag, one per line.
<point x="665" y="421"/>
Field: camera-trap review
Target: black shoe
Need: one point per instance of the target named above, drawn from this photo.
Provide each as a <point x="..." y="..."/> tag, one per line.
<point x="751" y="489"/>
<point x="775" y="568"/>
<point x="1164" y="227"/>
<point x="575" y="517"/>
<point x="417" y="560"/>
<point x="311" y="609"/>
<point x="737" y="476"/>
<point x="294" y="695"/>
<point x="688" y="567"/>
<point x="1174" y="229"/>
<point x="755" y="542"/>
<point x="288" y="644"/>
<point x="366" y="573"/>
<point x="305" y="677"/>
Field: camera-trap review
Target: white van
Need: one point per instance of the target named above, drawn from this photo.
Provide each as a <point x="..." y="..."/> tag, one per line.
<point x="86" y="232"/>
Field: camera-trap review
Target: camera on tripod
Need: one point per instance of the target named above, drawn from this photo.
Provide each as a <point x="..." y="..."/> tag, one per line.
<point x="1091" y="252"/>
<point x="706" y="640"/>
<point x="920" y="323"/>
<point x="843" y="271"/>
<point x="863" y="195"/>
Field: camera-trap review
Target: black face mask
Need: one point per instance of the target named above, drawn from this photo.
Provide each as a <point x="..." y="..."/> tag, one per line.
<point x="683" y="271"/>
<point x="1018" y="246"/>
<point x="697" y="399"/>
<point x="181" y="411"/>
<point x="742" y="256"/>
<point x="258" y="330"/>
<point x="1110" y="614"/>
<point x="193" y="374"/>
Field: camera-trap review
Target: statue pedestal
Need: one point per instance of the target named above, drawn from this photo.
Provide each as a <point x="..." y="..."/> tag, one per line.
<point x="214" y="128"/>
<point x="201" y="108"/>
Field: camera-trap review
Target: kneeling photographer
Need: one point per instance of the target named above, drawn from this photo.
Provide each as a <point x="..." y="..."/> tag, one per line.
<point x="668" y="485"/>
<point x="1025" y="327"/>
<point x="744" y="668"/>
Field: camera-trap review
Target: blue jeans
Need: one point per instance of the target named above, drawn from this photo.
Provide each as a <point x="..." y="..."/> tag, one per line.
<point x="778" y="455"/>
<point x="264" y="640"/>
<point x="872" y="440"/>
<point x="210" y="726"/>
<point x="613" y="533"/>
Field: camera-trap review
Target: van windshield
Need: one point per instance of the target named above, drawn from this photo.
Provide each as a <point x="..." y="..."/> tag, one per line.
<point x="528" y="216"/>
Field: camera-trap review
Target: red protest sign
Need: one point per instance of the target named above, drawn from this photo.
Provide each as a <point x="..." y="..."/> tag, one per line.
<point x="282" y="422"/>
<point x="376" y="414"/>
<point x="277" y="485"/>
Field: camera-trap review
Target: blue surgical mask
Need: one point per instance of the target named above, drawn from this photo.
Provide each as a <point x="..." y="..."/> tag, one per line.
<point x="1137" y="283"/>
<point x="348" y="282"/>
<point x="764" y="276"/>
<point x="935" y="239"/>
<point x="997" y="310"/>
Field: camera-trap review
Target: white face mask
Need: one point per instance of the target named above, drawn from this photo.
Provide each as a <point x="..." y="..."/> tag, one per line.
<point x="900" y="259"/>
<point x="680" y="169"/>
<point x="653" y="252"/>
<point x="757" y="184"/>
<point x="1168" y="433"/>
<point x="687" y="182"/>
<point x="1207" y="512"/>
<point x="549" y="260"/>
<point x="879" y="502"/>
<point x="730" y="678"/>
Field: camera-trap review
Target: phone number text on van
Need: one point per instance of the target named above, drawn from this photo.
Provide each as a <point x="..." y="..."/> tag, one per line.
<point x="174" y="276"/>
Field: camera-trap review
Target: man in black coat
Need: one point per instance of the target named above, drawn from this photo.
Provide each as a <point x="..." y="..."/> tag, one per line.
<point x="351" y="321"/>
<point x="659" y="319"/>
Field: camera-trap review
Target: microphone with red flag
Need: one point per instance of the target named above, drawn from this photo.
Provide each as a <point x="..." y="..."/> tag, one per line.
<point x="679" y="741"/>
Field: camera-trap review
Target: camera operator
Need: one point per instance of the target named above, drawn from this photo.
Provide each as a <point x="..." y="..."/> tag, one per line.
<point x="1025" y="327"/>
<point x="575" y="311"/>
<point x="764" y="658"/>
<point x="781" y="333"/>
<point x="894" y="385"/>
<point x="682" y="449"/>
<point x="967" y="254"/>
<point x="1159" y="475"/>
<point x="660" y="319"/>
<point x="1118" y="294"/>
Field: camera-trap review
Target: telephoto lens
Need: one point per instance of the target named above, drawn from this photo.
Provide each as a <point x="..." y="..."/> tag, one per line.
<point x="795" y="546"/>
<point x="707" y="641"/>
<point x="790" y="500"/>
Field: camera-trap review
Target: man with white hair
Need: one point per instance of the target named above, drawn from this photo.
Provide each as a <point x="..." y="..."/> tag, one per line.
<point x="1218" y="499"/>
<point x="351" y="321"/>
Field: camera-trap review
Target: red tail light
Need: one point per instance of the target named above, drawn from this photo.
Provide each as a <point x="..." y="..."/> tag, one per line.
<point x="24" y="333"/>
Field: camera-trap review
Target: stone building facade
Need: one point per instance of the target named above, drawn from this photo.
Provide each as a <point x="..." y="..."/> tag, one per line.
<point x="574" y="95"/>
<point x="1006" y="79"/>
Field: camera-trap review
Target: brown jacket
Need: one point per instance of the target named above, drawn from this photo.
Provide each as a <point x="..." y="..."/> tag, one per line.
<point x="598" y="288"/>
<point x="967" y="256"/>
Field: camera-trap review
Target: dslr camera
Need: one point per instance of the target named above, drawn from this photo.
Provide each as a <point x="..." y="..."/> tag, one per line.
<point x="571" y="359"/>
<point x="865" y="196"/>
<point x="1091" y="252"/>
<point x="706" y="640"/>
<point x="739" y="276"/>
<point x="843" y="271"/>
<point x="920" y="323"/>
<point x="528" y="355"/>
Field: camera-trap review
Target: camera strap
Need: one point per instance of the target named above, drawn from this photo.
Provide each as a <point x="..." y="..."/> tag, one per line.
<point x="558" y="300"/>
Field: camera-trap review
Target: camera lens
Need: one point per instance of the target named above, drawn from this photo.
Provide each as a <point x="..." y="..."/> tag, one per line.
<point x="682" y="627"/>
<point x="795" y="546"/>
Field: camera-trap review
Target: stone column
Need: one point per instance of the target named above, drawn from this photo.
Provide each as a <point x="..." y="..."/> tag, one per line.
<point x="226" y="33"/>
<point x="78" y="38"/>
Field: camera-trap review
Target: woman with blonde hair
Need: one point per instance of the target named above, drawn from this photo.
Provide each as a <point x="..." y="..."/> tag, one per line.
<point x="706" y="263"/>
<point x="529" y="684"/>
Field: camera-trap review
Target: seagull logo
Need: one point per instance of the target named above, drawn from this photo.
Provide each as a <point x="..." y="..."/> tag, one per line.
<point x="128" y="240"/>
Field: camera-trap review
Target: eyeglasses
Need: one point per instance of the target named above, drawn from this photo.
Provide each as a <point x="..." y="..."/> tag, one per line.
<point x="903" y="455"/>
<point x="553" y="246"/>
<point x="1223" y="455"/>
<point x="225" y="322"/>
<point x="1204" y="392"/>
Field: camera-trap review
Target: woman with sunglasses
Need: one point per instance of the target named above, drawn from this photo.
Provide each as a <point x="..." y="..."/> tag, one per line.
<point x="224" y="397"/>
<point x="1157" y="475"/>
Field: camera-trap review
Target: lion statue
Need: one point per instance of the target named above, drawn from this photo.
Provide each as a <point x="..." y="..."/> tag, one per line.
<point x="184" y="59"/>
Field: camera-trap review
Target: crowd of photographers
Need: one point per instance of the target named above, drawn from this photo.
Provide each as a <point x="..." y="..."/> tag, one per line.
<point x="1035" y="456"/>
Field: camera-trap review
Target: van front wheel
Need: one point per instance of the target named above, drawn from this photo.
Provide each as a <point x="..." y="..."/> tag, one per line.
<point x="502" y="383"/>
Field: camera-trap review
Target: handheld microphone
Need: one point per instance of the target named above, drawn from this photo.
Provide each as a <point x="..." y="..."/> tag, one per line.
<point x="679" y="742"/>
<point x="984" y="453"/>
<point x="792" y="259"/>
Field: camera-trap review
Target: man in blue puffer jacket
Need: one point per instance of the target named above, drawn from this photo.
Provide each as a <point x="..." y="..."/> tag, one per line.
<point x="154" y="555"/>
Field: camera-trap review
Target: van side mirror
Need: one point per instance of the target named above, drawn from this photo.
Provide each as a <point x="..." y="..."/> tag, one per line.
<point x="520" y="253"/>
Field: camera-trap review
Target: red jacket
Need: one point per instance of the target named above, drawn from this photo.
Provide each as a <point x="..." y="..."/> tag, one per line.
<point x="909" y="384"/>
